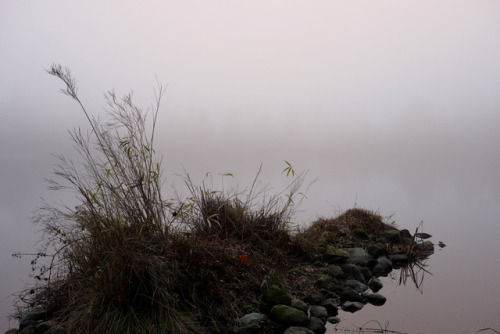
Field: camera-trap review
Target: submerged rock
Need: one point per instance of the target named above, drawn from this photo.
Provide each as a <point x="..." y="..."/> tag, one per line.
<point x="333" y="320"/>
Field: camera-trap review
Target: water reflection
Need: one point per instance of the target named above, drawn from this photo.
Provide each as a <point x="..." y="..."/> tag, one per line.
<point x="372" y="326"/>
<point x="410" y="272"/>
<point x="416" y="272"/>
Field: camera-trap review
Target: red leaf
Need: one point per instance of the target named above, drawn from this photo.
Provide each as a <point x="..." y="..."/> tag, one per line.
<point x="244" y="259"/>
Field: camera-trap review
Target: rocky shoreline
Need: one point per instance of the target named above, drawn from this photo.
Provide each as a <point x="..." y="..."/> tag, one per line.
<point x="345" y="279"/>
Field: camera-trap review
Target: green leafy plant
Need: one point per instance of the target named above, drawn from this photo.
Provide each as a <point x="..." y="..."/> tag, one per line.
<point x="288" y="169"/>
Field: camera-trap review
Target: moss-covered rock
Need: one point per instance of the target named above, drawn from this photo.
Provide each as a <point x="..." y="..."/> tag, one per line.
<point x="299" y="305"/>
<point x="274" y="295"/>
<point x="288" y="315"/>
<point x="335" y="253"/>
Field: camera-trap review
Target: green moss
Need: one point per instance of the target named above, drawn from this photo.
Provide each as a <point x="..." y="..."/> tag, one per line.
<point x="288" y="315"/>
<point x="275" y="295"/>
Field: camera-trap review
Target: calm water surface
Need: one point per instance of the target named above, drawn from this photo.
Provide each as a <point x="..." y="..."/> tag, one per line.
<point x="461" y="295"/>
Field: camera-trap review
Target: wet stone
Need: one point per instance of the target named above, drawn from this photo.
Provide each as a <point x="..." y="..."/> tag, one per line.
<point x="398" y="258"/>
<point x="358" y="256"/>
<point x="375" y="284"/>
<point x="316" y="325"/>
<point x="354" y="271"/>
<point x="352" y="306"/>
<point x="331" y="306"/>
<point x="375" y="299"/>
<point x="356" y="286"/>
<point x="349" y="294"/>
<point x="318" y="311"/>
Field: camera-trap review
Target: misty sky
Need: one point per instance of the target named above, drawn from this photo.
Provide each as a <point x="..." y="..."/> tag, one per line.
<point x="390" y="104"/>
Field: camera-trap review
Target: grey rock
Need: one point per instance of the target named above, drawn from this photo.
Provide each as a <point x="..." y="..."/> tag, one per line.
<point x="248" y="329"/>
<point x="298" y="330"/>
<point x="358" y="256"/>
<point x="375" y="284"/>
<point x="375" y="299"/>
<point x="356" y="285"/>
<point x="441" y="244"/>
<point x="384" y="259"/>
<point x="354" y="271"/>
<point x="331" y="306"/>
<point x="252" y="318"/>
<point x="318" y="311"/>
<point x="398" y="258"/>
<point x="314" y="298"/>
<point x="349" y="294"/>
<point x="375" y="250"/>
<point x="35" y="315"/>
<point x="405" y="234"/>
<point x="316" y="325"/>
<point x="352" y="306"/>
<point x="426" y="247"/>
<point x="391" y="236"/>
<point x="367" y="274"/>
<point x="383" y="267"/>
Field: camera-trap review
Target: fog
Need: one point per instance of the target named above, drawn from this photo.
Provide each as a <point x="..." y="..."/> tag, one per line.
<point x="393" y="106"/>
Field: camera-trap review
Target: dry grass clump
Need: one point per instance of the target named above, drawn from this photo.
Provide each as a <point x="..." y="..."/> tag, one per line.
<point x="348" y="229"/>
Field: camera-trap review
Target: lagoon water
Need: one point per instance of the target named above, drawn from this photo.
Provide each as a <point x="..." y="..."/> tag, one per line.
<point x="458" y="206"/>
